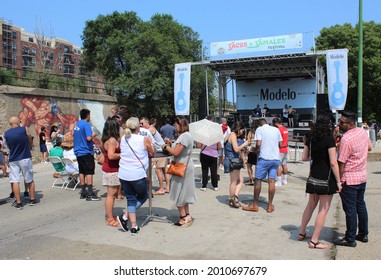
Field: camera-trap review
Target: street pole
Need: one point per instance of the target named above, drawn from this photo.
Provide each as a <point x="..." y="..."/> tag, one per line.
<point x="359" y="82"/>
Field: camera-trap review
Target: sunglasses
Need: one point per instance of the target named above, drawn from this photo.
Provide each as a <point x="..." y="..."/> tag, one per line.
<point x="341" y="121"/>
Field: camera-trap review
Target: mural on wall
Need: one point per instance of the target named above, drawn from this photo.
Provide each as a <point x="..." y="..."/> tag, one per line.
<point x="38" y="111"/>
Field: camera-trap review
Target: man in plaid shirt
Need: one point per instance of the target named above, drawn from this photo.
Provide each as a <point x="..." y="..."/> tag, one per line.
<point x="353" y="154"/>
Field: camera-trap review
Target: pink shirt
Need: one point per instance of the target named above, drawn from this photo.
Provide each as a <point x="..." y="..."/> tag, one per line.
<point x="353" y="153"/>
<point x="211" y="150"/>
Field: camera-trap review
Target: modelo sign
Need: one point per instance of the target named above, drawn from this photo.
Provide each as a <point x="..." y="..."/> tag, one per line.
<point x="297" y="92"/>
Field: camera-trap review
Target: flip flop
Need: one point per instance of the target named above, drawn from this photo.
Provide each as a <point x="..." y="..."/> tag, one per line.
<point x="166" y="191"/>
<point x="316" y="244"/>
<point x="112" y="223"/>
<point x="159" y="193"/>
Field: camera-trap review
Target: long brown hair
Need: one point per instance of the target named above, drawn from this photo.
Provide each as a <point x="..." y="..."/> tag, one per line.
<point x="183" y="123"/>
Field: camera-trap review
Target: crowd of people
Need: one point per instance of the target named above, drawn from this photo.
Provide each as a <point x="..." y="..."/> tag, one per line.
<point x="128" y="143"/>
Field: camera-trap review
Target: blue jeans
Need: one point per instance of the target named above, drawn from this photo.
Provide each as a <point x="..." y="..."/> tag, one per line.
<point x="136" y="193"/>
<point x="352" y="198"/>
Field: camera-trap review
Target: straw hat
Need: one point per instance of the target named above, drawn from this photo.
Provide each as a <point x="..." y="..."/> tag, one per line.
<point x="68" y="143"/>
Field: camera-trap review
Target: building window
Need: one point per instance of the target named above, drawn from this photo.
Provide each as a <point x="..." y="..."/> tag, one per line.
<point x="14" y="46"/>
<point x="51" y="56"/>
<point x="60" y="57"/>
<point x="33" y="51"/>
<point x="33" y="62"/>
<point x="31" y="39"/>
<point x="14" y="35"/>
<point x="60" y="46"/>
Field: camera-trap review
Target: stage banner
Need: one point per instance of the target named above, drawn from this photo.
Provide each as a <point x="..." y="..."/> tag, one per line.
<point x="257" y="45"/>
<point x="337" y="78"/>
<point x="182" y="88"/>
<point x="297" y="92"/>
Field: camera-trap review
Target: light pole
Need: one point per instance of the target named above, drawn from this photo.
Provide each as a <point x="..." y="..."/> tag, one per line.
<point x="359" y="81"/>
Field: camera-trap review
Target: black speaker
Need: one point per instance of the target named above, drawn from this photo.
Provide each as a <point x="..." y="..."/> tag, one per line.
<point x="322" y="105"/>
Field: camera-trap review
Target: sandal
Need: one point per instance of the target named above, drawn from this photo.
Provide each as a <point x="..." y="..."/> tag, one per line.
<point x="301" y="236"/>
<point x="159" y="193"/>
<point x="187" y="221"/>
<point x="112" y="222"/>
<point x="236" y="202"/>
<point x="316" y="244"/>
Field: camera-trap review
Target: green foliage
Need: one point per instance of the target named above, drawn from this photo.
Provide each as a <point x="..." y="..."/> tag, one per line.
<point x="138" y="58"/>
<point x="346" y="36"/>
<point x="7" y="77"/>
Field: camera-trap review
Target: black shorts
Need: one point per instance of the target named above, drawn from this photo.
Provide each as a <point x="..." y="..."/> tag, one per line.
<point x="86" y="164"/>
<point x="252" y="158"/>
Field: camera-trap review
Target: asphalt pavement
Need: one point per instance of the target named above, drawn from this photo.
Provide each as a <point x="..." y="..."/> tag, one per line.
<point x="64" y="227"/>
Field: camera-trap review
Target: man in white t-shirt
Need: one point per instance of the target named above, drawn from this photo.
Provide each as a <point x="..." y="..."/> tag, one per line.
<point x="268" y="141"/>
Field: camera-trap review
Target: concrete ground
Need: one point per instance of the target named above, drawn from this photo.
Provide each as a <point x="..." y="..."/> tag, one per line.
<point x="63" y="227"/>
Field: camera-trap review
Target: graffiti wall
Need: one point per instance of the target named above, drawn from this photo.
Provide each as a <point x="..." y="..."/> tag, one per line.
<point x="47" y="108"/>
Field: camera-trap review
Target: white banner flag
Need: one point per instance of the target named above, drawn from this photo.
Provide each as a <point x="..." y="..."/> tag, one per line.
<point x="182" y="88"/>
<point x="337" y="78"/>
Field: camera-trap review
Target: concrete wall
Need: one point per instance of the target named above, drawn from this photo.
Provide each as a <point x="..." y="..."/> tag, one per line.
<point x="41" y="107"/>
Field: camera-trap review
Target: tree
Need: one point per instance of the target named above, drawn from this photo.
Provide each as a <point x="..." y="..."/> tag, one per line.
<point x="346" y="36"/>
<point x="139" y="58"/>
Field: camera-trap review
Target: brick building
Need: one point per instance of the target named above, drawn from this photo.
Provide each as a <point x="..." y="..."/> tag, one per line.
<point x="22" y="50"/>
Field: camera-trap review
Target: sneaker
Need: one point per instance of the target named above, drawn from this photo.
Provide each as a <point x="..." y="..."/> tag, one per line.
<point x="278" y="184"/>
<point x="123" y="223"/>
<point x="33" y="202"/>
<point x="18" y="206"/>
<point x="11" y="195"/>
<point x="26" y="194"/>
<point x="203" y="189"/>
<point x="135" y="230"/>
<point x="83" y="195"/>
<point x="215" y="189"/>
<point x="92" y="197"/>
<point x="284" y="182"/>
<point x="221" y="167"/>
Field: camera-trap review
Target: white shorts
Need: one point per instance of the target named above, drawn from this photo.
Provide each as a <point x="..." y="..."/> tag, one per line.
<point x="110" y="179"/>
<point x="26" y="168"/>
<point x="283" y="158"/>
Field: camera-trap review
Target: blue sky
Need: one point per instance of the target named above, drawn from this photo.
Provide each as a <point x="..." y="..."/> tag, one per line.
<point x="214" y="20"/>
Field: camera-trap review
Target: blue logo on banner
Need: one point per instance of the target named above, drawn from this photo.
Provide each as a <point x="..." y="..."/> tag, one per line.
<point x="180" y="101"/>
<point x="337" y="97"/>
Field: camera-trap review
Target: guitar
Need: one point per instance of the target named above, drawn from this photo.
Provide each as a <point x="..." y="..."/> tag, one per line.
<point x="180" y="101"/>
<point x="338" y="96"/>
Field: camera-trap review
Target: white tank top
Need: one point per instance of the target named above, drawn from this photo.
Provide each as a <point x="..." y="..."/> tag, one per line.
<point x="130" y="168"/>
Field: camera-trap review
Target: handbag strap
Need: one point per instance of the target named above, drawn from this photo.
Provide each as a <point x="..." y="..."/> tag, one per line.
<point x="135" y="154"/>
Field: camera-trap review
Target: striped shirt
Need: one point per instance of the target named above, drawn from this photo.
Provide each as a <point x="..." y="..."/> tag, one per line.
<point x="353" y="153"/>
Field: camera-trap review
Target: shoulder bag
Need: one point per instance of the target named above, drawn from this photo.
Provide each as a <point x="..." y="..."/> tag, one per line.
<point x="177" y="168"/>
<point x="317" y="186"/>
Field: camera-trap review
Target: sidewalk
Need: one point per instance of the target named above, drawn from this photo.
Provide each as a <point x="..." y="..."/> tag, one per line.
<point x="65" y="227"/>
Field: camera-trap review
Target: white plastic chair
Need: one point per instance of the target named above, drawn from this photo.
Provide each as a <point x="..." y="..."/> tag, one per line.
<point x="62" y="174"/>
<point x="73" y="177"/>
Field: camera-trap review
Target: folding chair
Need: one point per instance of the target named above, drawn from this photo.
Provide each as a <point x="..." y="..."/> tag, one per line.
<point x="73" y="176"/>
<point x="61" y="174"/>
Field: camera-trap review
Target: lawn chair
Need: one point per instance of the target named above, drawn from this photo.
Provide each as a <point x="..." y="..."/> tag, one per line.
<point x="61" y="175"/>
<point x="73" y="176"/>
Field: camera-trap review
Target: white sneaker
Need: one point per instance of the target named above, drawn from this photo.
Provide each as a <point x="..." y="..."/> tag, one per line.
<point x="221" y="167"/>
<point x="215" y="189"/>
<point x="284" y="182"/>
<point x="202" y="189"/>
<point x="278" y="184"/>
